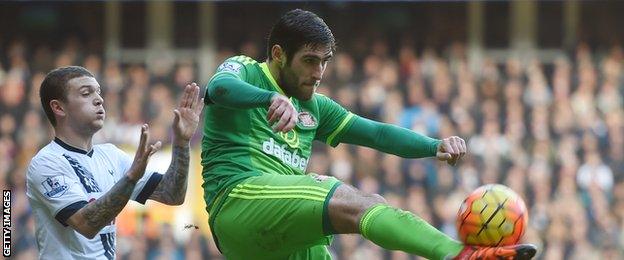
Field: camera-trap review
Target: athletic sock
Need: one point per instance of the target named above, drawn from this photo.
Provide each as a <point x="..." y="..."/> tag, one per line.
<point x="395" y="229"/>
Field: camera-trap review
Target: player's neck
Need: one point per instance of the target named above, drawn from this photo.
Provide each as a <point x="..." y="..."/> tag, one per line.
<point x="73" y="138"/>
<point x="275" y="71"/>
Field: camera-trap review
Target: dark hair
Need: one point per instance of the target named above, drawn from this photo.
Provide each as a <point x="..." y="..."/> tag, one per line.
<point x="298" y="28"/>
<point x="54" y="86"/>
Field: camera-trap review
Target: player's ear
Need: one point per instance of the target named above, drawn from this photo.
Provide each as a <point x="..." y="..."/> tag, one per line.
<point x="278" y="55"/>
<point x="57" y="107"/>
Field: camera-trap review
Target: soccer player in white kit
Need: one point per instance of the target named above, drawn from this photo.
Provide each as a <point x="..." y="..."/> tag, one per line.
<point x="76" y="189"/>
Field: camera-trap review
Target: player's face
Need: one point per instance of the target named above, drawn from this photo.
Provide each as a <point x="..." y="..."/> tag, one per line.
<point x="84" y="105"/>
<point x="303" y="75"/>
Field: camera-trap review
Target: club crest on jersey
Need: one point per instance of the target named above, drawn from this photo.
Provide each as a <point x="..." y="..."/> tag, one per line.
<point x="54" y="186"/>
<point x="230" y="66"/>
<point x="306" y="119"/>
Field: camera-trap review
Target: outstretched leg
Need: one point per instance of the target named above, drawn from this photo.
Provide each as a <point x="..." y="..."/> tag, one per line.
<point x="351" y="211"/>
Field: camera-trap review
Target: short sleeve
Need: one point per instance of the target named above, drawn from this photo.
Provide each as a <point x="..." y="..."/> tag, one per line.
<point x="146" y="185"/>
<point x="53" y="183"/>
<point x="333" y="120"/>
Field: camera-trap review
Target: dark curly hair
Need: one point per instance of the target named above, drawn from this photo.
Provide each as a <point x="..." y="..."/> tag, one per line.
<point x="298" y="28"/>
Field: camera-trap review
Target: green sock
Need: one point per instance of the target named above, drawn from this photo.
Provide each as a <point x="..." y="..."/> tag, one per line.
<point x="396" y="229"/>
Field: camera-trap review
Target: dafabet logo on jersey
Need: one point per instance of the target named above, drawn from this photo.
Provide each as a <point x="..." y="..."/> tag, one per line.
<point x="290" y="158"/>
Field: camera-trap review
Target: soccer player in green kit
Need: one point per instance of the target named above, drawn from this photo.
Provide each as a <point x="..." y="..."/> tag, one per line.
<point x="260" y="122"/>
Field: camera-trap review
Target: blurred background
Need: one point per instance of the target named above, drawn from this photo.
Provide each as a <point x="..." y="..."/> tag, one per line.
<point x="535" y="88"/>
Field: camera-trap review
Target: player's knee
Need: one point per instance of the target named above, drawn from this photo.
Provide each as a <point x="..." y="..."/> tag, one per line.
<point x="377" y="199"/>
<point x="347" y="207"/>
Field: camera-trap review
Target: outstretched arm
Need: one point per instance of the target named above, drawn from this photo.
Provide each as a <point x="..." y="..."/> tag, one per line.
<point x="402" y="142"/>
<point x="172" y="188"/>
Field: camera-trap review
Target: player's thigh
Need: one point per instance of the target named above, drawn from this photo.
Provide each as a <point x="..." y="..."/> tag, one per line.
<point x="274" y="215"/>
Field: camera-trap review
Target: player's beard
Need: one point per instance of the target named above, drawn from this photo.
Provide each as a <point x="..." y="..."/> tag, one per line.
<point x="289" y="82"/>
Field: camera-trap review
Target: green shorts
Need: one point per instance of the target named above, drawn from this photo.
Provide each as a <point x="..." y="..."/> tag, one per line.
<point x="276" y="217"/>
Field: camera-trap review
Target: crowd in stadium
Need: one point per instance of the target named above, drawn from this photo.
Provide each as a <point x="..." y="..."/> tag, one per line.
<point x="553" y="132"/>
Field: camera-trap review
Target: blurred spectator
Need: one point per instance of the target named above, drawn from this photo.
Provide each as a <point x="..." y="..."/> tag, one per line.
<point x="165" y="247"/>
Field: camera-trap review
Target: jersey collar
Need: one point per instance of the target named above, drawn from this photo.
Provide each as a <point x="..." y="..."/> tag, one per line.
<point x="267" y="73"/>
<point x="71" y="148"/>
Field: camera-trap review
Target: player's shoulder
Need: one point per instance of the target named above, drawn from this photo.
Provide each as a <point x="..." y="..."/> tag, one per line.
<point x="106" y="147"/>
<point x="238" y="64"/>
<point x="242" y="59"/>
<point x="48" y="154"/>
<point x="319" y="95"/>
<point x="325" y="104"/>
<point x="49" y="157"/>
<point x="321" y="99"/>
<point x="108" y="150"/>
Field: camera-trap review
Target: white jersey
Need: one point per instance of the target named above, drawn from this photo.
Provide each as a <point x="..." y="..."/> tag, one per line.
<point x="60" y="180"/>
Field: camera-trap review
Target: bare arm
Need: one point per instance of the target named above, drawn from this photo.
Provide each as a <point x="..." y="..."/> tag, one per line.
<point x="172" y="188"/>
<point x="94" y="216"/>
<point x="89" y="220"/>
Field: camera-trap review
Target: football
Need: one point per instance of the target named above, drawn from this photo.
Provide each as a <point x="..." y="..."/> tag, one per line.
<point x="492" y="215"/>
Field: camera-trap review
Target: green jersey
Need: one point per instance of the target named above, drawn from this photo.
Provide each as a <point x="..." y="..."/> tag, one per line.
<point x="239" y="143"/>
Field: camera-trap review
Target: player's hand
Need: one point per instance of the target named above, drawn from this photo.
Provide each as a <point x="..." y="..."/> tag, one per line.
<point x="142" y="155"/>
<point x="187" y="114"/>
<point x="282" y="114"/>
<point x="451" y="150"/>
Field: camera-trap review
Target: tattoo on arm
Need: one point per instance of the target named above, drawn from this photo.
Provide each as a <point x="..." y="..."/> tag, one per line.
<point x="103" y="210"/>
<point x="172" y="188"/>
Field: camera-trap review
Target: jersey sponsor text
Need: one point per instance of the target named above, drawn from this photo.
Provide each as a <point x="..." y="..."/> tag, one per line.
<point x="283" y="154"/>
